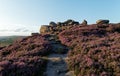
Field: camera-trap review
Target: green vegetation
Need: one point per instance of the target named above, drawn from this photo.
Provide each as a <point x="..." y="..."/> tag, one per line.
<point x="7" y="40"/>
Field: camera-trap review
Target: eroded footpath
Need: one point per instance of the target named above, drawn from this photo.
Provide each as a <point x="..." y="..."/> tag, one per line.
<point x="57" y="60"/>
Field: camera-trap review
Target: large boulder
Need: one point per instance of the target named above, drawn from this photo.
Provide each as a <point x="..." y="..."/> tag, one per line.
<point x="34" y="34"/>
<point x="59" y="23"/>
<point x="44" y="29"/>
<point x="74" y="23"/>
<point x="68" y="21"/>
<point x="52" y="24"/>
<point x="102" y="21"/>
<point x="84" y="22"/>
<point x="71" y="22"/>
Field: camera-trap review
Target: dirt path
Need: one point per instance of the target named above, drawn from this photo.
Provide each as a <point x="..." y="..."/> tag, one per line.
<point x="56" y="65"/>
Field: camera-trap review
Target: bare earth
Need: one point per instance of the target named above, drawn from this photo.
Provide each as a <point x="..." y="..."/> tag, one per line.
<point x="57" y="65"/>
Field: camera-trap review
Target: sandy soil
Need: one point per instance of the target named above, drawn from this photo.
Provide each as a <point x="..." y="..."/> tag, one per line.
<point x="56" y="65"/>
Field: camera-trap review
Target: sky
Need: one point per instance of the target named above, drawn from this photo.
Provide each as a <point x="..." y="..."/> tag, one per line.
<point x="22" y="17"/>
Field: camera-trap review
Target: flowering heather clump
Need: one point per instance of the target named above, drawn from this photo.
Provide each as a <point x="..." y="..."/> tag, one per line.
<point x="23" y="57"/>
<point x="22" y="66"/>
<point x="94" y="50"/>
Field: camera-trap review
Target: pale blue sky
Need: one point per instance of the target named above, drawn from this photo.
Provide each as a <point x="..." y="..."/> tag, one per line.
<point x="21" y="17"/>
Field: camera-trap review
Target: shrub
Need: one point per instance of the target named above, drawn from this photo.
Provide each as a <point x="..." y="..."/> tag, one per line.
<point x="23" y="57"/>
<point x="94" y="51"/>
<point x="114" y="28"/>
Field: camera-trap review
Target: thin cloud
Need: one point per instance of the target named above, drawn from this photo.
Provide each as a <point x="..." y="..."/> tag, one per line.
<point x="4" y="30"/>
<point x="22" y="30"/>
<point x="26" y="30"/>
<point x="18" y="29"/>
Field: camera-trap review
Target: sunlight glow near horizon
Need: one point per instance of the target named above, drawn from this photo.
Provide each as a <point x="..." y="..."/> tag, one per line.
<point x="17" y="29"/>
<point x="21" y="17"/>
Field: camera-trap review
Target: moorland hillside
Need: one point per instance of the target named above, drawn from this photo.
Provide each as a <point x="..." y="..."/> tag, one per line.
<point x="92" y="49"/>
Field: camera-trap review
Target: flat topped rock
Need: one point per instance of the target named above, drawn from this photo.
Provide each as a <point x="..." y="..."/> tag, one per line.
<point x="44" y="28"/>
<point x="52" y="24"/>
<point x="34" y="34"/>
<point x="102" y="21"/>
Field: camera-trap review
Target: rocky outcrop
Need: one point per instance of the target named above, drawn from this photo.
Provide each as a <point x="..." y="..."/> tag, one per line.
<point x="102" y="21"/>
<point x="55" y="28"/>
<point x="84" y="22"/>
<point x="68" y="21"/>
<point x="71" y="22"/>
<point x="52" y="24"/>
<point x="34" y="34"/>
<point x="44" y="29"/>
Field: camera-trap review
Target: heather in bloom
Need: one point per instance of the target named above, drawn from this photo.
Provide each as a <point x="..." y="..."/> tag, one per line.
<point x="23" y="57"/>
<point x="94" y="50"/>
